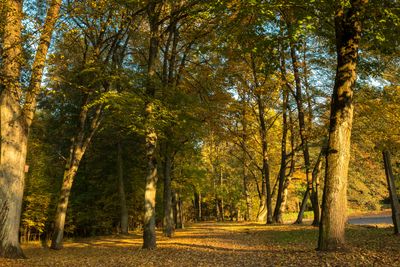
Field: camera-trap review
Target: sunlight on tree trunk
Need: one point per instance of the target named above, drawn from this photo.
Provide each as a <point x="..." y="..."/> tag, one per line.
<point x="15" y="121"/>
<point x="334" y="204"/>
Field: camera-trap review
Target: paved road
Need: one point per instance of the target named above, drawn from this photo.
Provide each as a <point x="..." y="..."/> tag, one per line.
<point x="372" y="220"/>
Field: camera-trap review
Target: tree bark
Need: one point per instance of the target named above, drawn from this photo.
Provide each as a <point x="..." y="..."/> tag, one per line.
<point x="298" y="94"/>
<point x="178" y="216"/>
<point x="40" y="59"/>
<point x="266" y="187"/>
<point x="13" y="135"/>
<point x="149" y="218"/>
<point x="15" y="121"/>
<point x="303" y="206"/>
<point x="315" y="189"/>
<point x="334" y="204"/>
<point x="14" y="138"/>
<point x="303" y="129"/>
<point x="168" y="215"/>
<point x="291" y="168"/>
<point x="121" y="189"/>
<point x="244" y="160"/>
<point x="282" y="172"/>
<point x="78" y="147"/>
<point x="68" y="178"/>
<point x="394" y="201"/>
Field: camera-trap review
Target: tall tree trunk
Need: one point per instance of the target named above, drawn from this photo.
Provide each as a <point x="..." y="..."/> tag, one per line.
<point x="14" y="138"/>
<point x="266" y="168"/>
<point x="78" y="147"/>
<point x="246" y="192"/>
<point x="149" y="218"/>
<point x="13" y="135"/>
<point x="168" y="215"/>
<point x="40" y="60"/>
<point x="282" y="171"/>
<point x="334" y="204"/>
<point x="264" y="149"/>
<point x="15" y="121"/>
<point x="302" y="127"/>
<point x="121" y="189"/>
<point x="301" y="116"/>
<point x="318" y="165"/>
<point x="69" y="174"/>
<point x="292" y="165"/>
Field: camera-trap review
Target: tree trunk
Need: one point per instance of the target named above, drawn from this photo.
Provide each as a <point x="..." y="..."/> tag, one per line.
<point x="264" y="148"/>
<point x="246" y="194"/>
<point x="282" y="171"/>
<point x="302" y="127"/>
<point x="79" y="145"/>
<point x="394" y="201"/>
<point x="178" y="216"/>
<point x="14" y="138"/>
<point x="334" y="204"/>
<point x="181" y="213"/>
<point x="284" y="199"/>
<point x="262" y="209"/>
<point x="149" y="223"/>
<point x="168" y="215"/>
<point x="69" y="174"/>
<point x="15" y="122"/>
<point x="244" y="161"/>
<point x="40" y="60"/>
<point x="298" y="94"/>
<point x="315" y="182"/>
<point x="199" y="214"/>
<point x="221" y="200"/>
<point x="303" y="206"/>
<point x="121" y="189"/>
<point x="149" y="218"/>
<point x="221" y="209"/>
<point x="291" y="168"/>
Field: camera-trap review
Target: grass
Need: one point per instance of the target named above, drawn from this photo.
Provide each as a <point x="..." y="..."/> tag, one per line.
<point x="292" y="216"/>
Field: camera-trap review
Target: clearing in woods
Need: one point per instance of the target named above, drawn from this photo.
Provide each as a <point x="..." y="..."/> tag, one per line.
<point x="222" y="244"/>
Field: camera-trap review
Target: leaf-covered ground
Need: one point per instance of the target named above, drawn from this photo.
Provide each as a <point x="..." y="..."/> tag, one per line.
<point x="223" y="244"/>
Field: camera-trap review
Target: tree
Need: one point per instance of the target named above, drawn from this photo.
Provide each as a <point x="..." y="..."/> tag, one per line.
<point x="16" y="119"/>
<point x="99" y="54"/>
<point x="149" y="220"/>
<point x="348" y="34"/>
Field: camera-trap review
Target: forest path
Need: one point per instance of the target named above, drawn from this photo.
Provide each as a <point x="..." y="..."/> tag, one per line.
<point x="222" y="244"/>
<point x="371" y="220"/>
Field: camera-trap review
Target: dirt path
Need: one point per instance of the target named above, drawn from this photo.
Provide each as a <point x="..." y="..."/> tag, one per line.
<point x="371" y="220"/>
<point x="222" y="244"/>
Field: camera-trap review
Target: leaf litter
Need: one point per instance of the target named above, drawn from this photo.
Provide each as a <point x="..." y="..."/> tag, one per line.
<point x="222" y="244"/>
